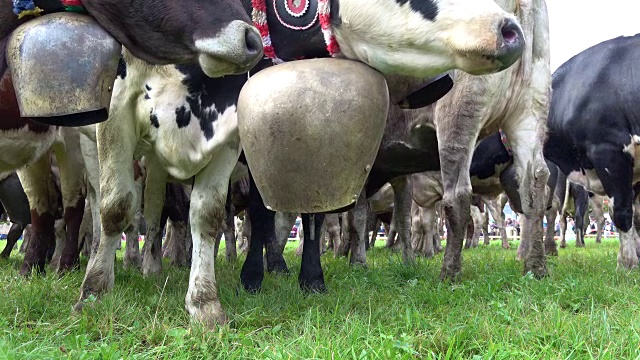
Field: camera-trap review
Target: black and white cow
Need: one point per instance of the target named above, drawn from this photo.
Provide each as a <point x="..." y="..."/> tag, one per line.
<point x="594" y="128"/>
<point x="215" y="34"/>
<point x="185" y="123"/>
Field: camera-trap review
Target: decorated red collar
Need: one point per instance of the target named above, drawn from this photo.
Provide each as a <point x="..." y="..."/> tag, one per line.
<point x="24" y="8"/>
<point x="505" y="142"/>
<point x="323" y="14"/>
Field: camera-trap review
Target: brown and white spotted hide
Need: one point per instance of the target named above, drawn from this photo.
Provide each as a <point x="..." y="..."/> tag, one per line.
<point x="26" y="146"/>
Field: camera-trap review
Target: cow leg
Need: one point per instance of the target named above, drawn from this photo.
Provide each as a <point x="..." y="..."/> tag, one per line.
<point x="343" y="246"/>
<point x="402" y="215"/>
<point x="231" y="253"/>
<point x="246" y="233"/>
<point x="89" y="151"/>
<point x="311" y="278"/>
<point x="428" y="220"/>
<point x="206" y="215"/>
<point x="563" y="230"/>
<point x="60" y="231"/>
<point x="333" y="230"/>
<point x="116" y="143"/>
<point x="496" y="213"/>
<point x="132" y="257"/>
<point x="356" y="228"/>
<point x="154" y="196"/>
<point x="262" y="232"/>
<point x="71" y="166"/>
<point x="597" y="207"/>
<point x="26" y="238"/>
<point x="616" y="176"/>
<point x="85" y="234"/>
<point x="582" y="213"/>
<point x="275" y="249"/>
<point x="550" y="246"/>
<point x="12" y="238"/>
<point x="417" y="228"/>
<point x="485" y="229"/>
<point x="477" y="218"/>
<point x="531" y="169"/>
<point x="39" y="187"/>
<point x="374" y="234"/>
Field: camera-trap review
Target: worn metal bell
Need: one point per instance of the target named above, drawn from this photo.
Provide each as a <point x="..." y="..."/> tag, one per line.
<point x="63" y="66"/>
<point x="310" y="130"/>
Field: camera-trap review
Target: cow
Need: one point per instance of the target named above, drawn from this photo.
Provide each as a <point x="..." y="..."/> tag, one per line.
<point x="157" y="110"/>
<point x="219" y="41"/>
<point x="594" y="131"/>
<point x="515" y="100"/>
<point x="217" y="35"/>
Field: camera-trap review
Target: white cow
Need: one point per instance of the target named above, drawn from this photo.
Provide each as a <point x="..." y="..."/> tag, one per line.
<point x="516" y="100"/>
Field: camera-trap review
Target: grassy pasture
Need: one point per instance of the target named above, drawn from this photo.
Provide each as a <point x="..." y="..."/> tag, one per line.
<point x="584" y="309"/>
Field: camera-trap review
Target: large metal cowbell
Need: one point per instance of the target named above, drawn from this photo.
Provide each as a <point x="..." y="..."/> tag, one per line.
<point x="310" y="130"/>
<point x="63" y="67"/>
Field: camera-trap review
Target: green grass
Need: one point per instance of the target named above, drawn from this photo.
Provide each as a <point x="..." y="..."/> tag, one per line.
<point x="584" y="309"/>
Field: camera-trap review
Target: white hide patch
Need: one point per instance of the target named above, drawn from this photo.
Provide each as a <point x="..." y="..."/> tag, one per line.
<point x="23" y="146"/>
<point x="589" y="180"/>
<point x="184" y="151"/>
<point x="395" y="39"/>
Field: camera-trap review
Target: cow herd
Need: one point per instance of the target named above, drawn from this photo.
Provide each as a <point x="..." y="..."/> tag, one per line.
<point x="475" y="118"/>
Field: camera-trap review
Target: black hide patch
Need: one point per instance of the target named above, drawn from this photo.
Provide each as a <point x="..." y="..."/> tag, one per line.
<point x="122" y="69"/>
<point x="154" y="120"/>
<point x="183" y="117"/>
<point x="427" y="8"/>
<point x="207" y="97"/>
<point x="489" y="153"/>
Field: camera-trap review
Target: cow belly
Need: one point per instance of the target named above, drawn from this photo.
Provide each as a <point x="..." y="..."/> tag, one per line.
<point x="23" y="146"/>
<point x="589" y="180"/>
<point x="488" y="187"/>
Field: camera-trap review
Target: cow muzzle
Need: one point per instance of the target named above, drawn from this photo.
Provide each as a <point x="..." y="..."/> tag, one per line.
<point x="511" y="43"/>
<point x="63" y="67"/>
<point x="234" y="50"/>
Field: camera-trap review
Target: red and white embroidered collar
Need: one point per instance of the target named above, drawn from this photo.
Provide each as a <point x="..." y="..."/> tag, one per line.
<point x="259" y="17"/>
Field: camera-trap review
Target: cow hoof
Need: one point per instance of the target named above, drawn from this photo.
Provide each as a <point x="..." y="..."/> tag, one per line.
<point x="278" y="268"/>
<point x="313" y="286"/>
<point x="626" y="264"/>
<point x="28" y="268"/>
<point x="209" y="314"/>
<point x="358" y="263"/>
<point x="251" y="278"/>
<point x="133" y="262"/>
<point x="151" y="268"/>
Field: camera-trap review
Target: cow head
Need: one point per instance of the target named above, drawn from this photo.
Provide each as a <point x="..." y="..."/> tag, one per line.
<point x="214" y="33"/>
<point x="426" y="37"/>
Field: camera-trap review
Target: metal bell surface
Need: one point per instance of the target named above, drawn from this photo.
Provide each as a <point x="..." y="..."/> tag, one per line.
<point x="310" y="130"/>
<point x="63" y="64"/>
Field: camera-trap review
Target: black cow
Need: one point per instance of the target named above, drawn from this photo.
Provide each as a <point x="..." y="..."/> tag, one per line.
<point x="594" y="128"/>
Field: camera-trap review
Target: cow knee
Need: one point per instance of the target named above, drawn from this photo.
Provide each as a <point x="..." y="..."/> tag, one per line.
<point x="117" y="214"/>
<point x="208" y="211"/>
<point x="623" y="219"/>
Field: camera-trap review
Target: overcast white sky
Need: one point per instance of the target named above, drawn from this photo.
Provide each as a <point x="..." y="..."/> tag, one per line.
<point x="575" y="25"/>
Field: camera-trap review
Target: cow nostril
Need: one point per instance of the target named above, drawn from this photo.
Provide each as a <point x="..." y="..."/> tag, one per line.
<point x="510" y="31"/>
<point x="253" y="41"/>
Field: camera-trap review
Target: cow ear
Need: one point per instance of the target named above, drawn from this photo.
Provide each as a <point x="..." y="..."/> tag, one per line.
<point x="431" y="92"/>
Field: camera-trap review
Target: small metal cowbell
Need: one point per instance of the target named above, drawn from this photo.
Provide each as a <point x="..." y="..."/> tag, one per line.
<point x="310" y="130"/>
<point x="63" y="67"/>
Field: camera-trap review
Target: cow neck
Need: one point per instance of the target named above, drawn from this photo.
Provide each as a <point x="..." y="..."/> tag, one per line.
<point x="24" y="8"/>
<point x="299" y="24"/>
